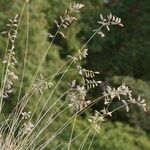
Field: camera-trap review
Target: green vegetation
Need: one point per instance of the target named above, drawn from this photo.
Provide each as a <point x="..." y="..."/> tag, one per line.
<point x="122" y="56"/>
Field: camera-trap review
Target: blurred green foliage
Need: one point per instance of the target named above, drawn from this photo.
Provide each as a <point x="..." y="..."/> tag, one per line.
<point x="122" y="56"/>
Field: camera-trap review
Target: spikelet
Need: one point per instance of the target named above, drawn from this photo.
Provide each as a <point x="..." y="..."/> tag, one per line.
<point x="92" y="83"/>
<point x="77" y="97"/>
<point x="41" y="85"/>
<point x="107" y="22"/>
<point x="76" y="7"/>
<point x="110" y="20"/>
<point x="87" y="73"/>
<point x="96" y="121"/>
<point x="82" y="54"/>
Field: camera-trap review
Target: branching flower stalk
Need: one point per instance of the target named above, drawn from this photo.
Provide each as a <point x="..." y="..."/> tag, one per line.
<point x="124" y="95"/>
<point x="13" y="27"/>
<point x="97" y="120"/>
<point x="10" y="61"/>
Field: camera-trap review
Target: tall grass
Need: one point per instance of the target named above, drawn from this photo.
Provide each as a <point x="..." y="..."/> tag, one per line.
<point x="24" y="129"/>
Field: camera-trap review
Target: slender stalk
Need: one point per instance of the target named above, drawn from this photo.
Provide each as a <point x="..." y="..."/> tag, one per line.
<point x="78" y="135"/>
<point x="73" y="127"/>
<point x="26" y="50"/>
<point x="69" y="121"/>
<point x="92" y="141"/>
<point x="84" y="140"/>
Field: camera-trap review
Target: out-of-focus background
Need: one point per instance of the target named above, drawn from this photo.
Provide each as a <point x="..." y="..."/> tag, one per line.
<point x="123" y="56"/>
